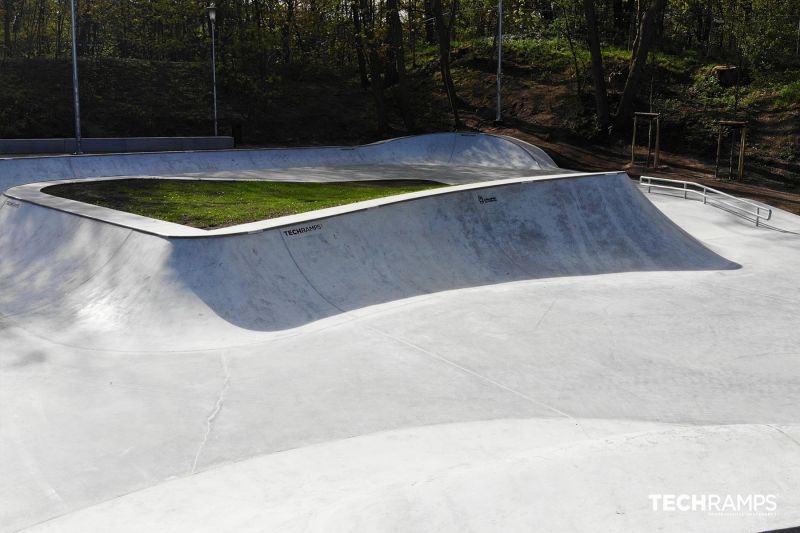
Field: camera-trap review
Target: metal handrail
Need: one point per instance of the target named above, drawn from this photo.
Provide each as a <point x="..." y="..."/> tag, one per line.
<point x="758" y="213"/>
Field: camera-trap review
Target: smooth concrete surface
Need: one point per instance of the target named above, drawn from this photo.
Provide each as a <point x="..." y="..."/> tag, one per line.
<point x="113" y="144"/>
<point x="505" y="475"/>
<point x="451" y="157"/>
<point x="319" y="264"/>
<point x="548" y="360"/>
<point x="36" y="193"/>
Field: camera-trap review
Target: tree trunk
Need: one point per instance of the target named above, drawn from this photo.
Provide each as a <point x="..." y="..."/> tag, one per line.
<point x="286" y="32"/>
<point x="60" y="28"/>
<point x="598" y="74"/>
<point x="619" y="20"/>
<point x="392" y="77"/>
<point x="644" y="42"/>
<point x="430" y="29"/>
<point x="575" y="64"/>
<point x="362" y="62"/>
<point x="708" y="21"/>
<point x="375" y="67"/>
<point x="443" y="32"/>
<point x="8" y="6"/>
<point x="396" y="42"/>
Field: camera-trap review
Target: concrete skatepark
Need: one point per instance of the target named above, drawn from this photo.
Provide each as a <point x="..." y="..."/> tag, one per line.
<point x="529" y="349"/>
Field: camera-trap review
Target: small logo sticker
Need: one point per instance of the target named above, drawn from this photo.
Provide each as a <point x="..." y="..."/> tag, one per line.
<point x="302" y="230"/>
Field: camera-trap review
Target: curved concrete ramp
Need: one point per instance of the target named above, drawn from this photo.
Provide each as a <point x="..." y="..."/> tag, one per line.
<point x="544" y="351"/>
<point x="504" y="475"/>
<point x="285" y="276"/>
<point x="469" y="152"/>
<point x="549" y="228"/>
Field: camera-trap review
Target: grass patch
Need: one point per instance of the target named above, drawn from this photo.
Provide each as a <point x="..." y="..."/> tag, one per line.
<point x="789" y="94"/>
<point x="216" y="204"/>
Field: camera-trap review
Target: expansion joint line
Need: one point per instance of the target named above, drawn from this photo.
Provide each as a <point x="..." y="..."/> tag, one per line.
<point x="485" y="378"/>
<point x="436" y="356"/>
<point x="214" y="412"/>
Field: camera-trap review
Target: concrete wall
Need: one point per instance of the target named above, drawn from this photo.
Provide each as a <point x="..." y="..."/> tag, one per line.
<point x="114" y="145"/>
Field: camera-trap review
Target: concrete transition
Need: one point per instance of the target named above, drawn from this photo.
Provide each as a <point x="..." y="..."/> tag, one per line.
<point x="446" y="157"/>
<point x="528" y="349"/>
<point x="113" y="144"/>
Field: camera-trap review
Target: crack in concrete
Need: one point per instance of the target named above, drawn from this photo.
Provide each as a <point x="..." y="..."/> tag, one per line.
<point x="214" y="413"/>
<point x="782" y="432"/>
<point x="547" y="312"/>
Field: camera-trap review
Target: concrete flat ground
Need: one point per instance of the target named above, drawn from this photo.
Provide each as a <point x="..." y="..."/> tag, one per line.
<point x="552" y="354"/>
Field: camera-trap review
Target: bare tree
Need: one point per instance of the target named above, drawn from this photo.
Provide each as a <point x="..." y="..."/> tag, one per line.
<point x="444" y="32"/>
<point x="359" y="45"/>
<point x="598" y="73"/>
<point x="396" y="42"/>
<point x="430" y="28"/>
<point x="286" y="32"/>
<point x="8" y="7"/>
<point x="642" y="47"/>
<point x="375" y="65"/>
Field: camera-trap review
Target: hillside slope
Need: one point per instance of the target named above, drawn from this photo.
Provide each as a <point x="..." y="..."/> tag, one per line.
<point x="306" y="104"/>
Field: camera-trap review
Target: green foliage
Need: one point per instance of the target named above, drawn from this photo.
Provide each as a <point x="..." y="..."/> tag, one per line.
<point x="681" y="66"/>
<point x="255" y="35"/>
<point x="789" y="94"/>
<point x="118" y="97"/>
<point x="615" y="53"/>
<point x="548" y="55"/>
<point x="283" y="61"/>
<point x="162" y="98"/>
<point x="706" y="89"/>
<point x="214" y="204"/>
<point x="769" y="33"/>
<point x="789" y="149"/>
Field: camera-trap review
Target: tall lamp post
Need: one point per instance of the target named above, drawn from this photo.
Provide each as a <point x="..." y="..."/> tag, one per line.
<point x="75" y="94"/>
<point x="499" y="115"/>
<point x="212" y="16"/>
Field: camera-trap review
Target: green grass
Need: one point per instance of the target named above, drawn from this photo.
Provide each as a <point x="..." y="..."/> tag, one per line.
<point x="214" y="204"/>
<point x="789" y="94"/>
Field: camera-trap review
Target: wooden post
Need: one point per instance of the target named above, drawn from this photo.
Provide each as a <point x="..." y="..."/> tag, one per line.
<point x="734" y="125"/>
<point x="741" y="151"/>
<point x="650" y="118"/>
<point x="658" y="142"/>
<point x="719" y="152"/>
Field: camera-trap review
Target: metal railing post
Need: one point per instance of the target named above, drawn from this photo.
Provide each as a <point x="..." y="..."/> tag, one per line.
<point x="734" y="204"/>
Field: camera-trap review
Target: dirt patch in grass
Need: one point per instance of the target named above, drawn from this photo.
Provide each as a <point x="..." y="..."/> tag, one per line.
<point x="217" y="204"/>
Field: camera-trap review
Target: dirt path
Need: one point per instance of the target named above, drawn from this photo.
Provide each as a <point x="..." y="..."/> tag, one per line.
<point x="602" y="157"/>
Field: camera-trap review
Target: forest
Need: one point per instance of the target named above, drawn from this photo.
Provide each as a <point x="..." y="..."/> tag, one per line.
<point x="340" y="70"/>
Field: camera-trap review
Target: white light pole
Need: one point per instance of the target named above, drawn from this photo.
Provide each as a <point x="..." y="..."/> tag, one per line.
<point x="212" y="16"/>
<point x="499" y="117"/>
<point x="75" y="93"/>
